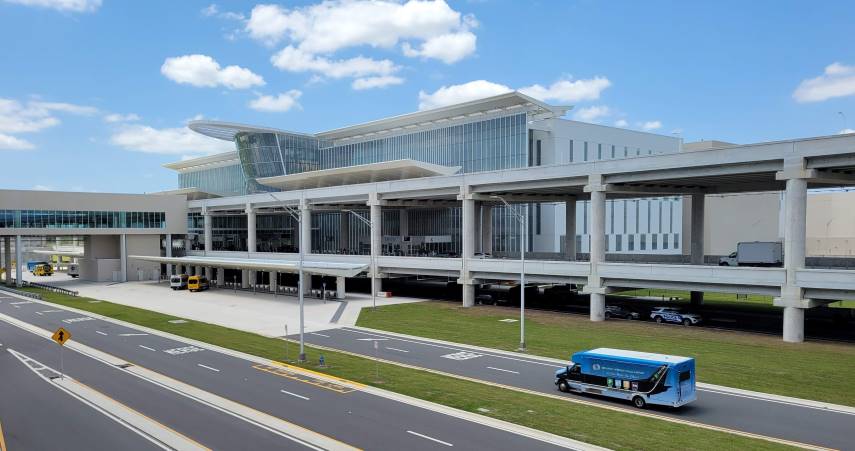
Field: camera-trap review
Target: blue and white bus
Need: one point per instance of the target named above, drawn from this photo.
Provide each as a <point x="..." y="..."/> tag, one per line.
<point x="641" y="377"/>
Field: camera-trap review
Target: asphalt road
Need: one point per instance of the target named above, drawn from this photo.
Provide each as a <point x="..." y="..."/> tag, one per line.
<point x="356" y="418"/>
<point x="37" y="415"/>
<point x="209" y="427"/>
<point x="758" y="416"/>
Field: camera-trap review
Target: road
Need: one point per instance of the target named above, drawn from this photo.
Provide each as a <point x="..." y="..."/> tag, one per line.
<point x="758" y="416"/>
<point x="354" y="417"/>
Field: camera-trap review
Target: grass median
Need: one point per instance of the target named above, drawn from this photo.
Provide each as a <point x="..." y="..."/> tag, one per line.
<point x="593" y="425"/>
<point x="811" y="370"/>
<point x="713" y="298"/>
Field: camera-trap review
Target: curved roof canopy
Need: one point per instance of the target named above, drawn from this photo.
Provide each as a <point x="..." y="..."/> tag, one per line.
<point x="227" y="130"/>
<point x="257" y="264"/>
<point x="363" y="173"/>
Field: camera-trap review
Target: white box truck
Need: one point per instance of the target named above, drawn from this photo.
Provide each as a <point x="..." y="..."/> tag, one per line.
<point x="755" y="253"/>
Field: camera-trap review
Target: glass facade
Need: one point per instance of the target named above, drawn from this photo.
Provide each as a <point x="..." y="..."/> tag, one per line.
<point x="224" y="180"/>
<point x="77" y="219"/>
<point x="272" y="154"/>
<point x="485" y="145"/>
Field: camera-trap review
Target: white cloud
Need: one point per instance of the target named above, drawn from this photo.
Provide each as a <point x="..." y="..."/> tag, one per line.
<point x="563" y="90"/>
<point x="621" y="123"/>
<point x="213" y="10"/>
<point x="449" y="95"/>
<point x="592" y="113"/>
<point x="210" y="10"/>
<point x="838" y="80"/>
<point x="448" y="48"/>
<point x="376" y="82"/>
<point x="204" y="71"/>
<point x="172" y="141"/>
<point x="77" y="6"/>
<point x="280" y="103"/>
<point x="9" y="142"/>
<point x="333" y="25"/>
<point x="34" y="116"/>
<point x="650" y="125"/>
<point x="569" y="91"/>
<point x="116" y="117"/>
<point x="846" y="130"/>
<point x="293" y="59"/>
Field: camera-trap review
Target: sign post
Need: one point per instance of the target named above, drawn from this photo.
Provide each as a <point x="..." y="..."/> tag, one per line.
<point x="286" y="342"/>
<point x="376" y="361"/>
<point x="61" y="336"/>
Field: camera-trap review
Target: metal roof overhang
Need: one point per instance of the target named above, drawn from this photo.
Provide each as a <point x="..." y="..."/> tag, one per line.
<point x="364" y="173"/>
<point x="288" y="266"/>
<point x="192" y="193"/>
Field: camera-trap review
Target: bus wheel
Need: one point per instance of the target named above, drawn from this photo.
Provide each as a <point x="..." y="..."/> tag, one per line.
<point x="563" y="387"/>
<point x="639" y="402"/>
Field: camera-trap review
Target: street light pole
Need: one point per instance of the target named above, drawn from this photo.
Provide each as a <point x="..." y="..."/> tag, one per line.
<point x="523" y="245"/>
<point x="371" y="257"/>
<point x="299" y="217"/>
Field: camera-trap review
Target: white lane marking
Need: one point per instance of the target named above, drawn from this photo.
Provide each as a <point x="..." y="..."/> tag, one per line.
<point x="132" y="335"/>
<point x="50" y="311"/>
<point x="396" y="349"/>
<point x="182" y="350"/>
<point x="434" y="345"/>
<point x="77" y="320"/>
<point x="429" y="438"/>
<point x="21" y="302"/>
<point x="320" y="335"/>
<point x="208" y="367"/>
<point x="776" y="401"/>
<point x="506" y="371"/>
<point x="462" y="355"/>
<point x="39" y="313"/>
<point x="99" y="332"/>
<point x="371" y="339"/>
<point x="146" y="347"/>
<point x="294" y="395"/>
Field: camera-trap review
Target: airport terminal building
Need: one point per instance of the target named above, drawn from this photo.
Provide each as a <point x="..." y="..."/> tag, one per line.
<point x="456" y="193"/>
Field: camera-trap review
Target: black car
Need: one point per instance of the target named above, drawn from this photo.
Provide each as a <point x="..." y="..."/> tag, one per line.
<point x="616" y="311"/>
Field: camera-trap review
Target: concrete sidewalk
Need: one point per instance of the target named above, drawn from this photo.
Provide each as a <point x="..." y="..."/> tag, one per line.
<point x="260" y="313"/>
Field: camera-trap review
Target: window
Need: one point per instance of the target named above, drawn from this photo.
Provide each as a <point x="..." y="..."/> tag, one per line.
<point x="571" y="150"/>
<point x="613" y="150"/>
<point x="643" y="242"/>
<point x="654" y="245"/>
<point x="585" y="155"/>
<point x="665" y="241"/>
<point x="618" y="243"/>
<point x="676" y="241"/>
<point x="538" y="158"/>
<point x="599" y="151"/>
<point x="630" y="242"/>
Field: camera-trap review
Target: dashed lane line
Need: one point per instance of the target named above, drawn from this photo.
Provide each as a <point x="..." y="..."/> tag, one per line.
<point x="294" y="395"/>
<point x="430" y="438"/>
<point x="503" y="370"/>
<point x="208" y="367"/>
<point x="146" y="347"/>
<point x="100" y="333"/>
<point x="396" y="349"/>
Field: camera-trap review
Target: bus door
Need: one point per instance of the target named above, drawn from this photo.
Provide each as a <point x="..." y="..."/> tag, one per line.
<point x="685" y="382"/>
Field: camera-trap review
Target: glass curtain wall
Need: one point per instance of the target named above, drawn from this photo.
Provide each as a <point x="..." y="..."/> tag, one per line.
<point x="81" y="219"/>
<point x="225" y="180"/>
<point x="274" y="154"/>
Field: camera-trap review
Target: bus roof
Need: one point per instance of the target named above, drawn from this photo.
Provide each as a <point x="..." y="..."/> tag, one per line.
<point x="647" y="356"/>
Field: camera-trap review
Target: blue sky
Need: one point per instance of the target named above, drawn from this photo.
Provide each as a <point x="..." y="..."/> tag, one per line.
<point x="94" y="94"/>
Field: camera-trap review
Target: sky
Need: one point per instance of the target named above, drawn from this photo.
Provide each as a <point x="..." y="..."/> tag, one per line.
<point x="95" y="94"/>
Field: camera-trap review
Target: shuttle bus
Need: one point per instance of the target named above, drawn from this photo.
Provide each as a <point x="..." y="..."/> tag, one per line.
<point x="640" y="377"/>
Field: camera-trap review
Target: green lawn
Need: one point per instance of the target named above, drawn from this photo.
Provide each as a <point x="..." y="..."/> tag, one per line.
<point x="718" y="298"/>
<point x="590" y="424"/>
<point x="812" y="370"/>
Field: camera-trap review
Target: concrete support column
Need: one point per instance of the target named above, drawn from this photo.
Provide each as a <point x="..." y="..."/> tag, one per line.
<point x="306" y="228"/>
<point x="339" y="287"/>
<point x="376" y="218"/>
<point x="123" y="257"/>
<point x="7" y="246"/>
<point x="795" y="227"/>
<point x="168" y="249"/>
<point x="221" y="277"/>
<point x="244" y="278"/>
<point x="467" y="245"/>
<point x="273" y="282"/>
<point x="209" y="237"/>
<point x="344" y="231"/>
<point x="404" y="222"/>
<point x="19" y="272"/>
<point x="487" y="228"/>
<point x="697" y="244"/>
<point x="199" y="271"/>
<point x="250" y="228"/>
<point x="598" y="246"/>
<point x="209" y="272"/>
<point x="570" y="229"/>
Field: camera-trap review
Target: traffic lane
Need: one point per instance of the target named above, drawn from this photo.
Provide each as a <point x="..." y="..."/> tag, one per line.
<point x="786" y="421"/>
<point x="357" y="418"/>
<point x="210" y="427"/>
<point x="37" y="415"/>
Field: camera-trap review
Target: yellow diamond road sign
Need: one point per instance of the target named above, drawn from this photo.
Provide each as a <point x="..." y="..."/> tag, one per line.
<point x="61" y="336"/>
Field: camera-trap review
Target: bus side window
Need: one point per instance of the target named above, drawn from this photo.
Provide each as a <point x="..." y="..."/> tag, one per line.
<point x="685" y="375"/>
<point x="575" y="373"/>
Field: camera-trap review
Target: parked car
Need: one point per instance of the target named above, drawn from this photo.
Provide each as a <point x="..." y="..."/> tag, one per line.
<point x="616" y="311"/>
<point x="178" y="281"/>
<point x="674" y="315"/>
